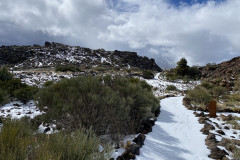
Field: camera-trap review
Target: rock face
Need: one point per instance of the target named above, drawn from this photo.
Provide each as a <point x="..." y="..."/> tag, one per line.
<point x="224" y="69"/>
<point x="228" y="71"/>
<point x="14" y="54"/>
<point x="53" y="54"/>
<point x="133" y="59"/>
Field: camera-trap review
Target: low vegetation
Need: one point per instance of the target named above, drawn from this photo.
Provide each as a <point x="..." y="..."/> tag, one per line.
<point x="12" y="87"/>
<point x="26" y="93"/>
<point x="108" y="105"/>
<point x="171" y="88"/>
<point x="232" y="147"/>
<point x="18" y="141"/>
<point x="3" y="97"/>
<point x="199" y="95"/>
<point x="183" y="71"/>
<point x="212" y="90"/>
<point x="5" y="75"/>
<point x="148" y="74"/>
<point x="48" y="83"/>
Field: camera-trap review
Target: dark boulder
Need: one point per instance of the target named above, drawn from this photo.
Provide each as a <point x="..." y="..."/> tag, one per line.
<point x="47" y="44"/>
<point x="140" y="139"/>
<point x="134" y="149"/>
<point x="217" y="153"/>
<point x="206" y="128"/>
<point x="46" y="129"/>
<point x="211" y="141"/>
<point x="220" y="132"/>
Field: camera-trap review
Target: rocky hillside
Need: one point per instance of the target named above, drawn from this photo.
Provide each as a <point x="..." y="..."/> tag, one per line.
<point x="227" y="71"/>
<point x="55" y="54"/>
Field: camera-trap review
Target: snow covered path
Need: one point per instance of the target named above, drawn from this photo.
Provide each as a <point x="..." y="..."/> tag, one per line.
<point x="176" y="135"/>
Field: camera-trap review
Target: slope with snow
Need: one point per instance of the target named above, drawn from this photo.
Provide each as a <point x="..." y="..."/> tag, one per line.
<point x="160" y="84"/>
<point x="176" y="135"/>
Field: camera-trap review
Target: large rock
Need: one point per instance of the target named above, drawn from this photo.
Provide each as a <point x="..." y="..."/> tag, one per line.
<point x="220" y="132"/>
<point x="130" y="153"/>
<point x="206" y="128"/>
<point x="211" y="141"/>
<point x="217" y="153"/>
<point x="203" y="120"/>
<point x="134" y="149"/>
<point x="140" y="139"/>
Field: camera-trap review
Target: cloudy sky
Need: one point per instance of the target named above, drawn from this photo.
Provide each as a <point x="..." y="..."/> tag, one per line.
<point x="202" y="31"/>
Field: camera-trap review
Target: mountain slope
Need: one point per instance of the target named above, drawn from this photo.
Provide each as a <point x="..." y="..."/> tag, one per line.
<point x="225" y="69"/>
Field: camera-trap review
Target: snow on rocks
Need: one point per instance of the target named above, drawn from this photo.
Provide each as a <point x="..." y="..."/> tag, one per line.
<point x="220" y="131"/>
<point x="156" y="145"/>
<point x="17" y="110"/>
<point x="228" y="131"/>
<point x="39" y="78"/>
<point x="49" y="129"/>
<point x="176" y="134"/>
<point x="119" y="151"/>
<point x="160" y="84"/>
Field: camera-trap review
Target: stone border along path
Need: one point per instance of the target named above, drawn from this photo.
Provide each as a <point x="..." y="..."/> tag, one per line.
<point x="176" y="135"/>
<point x="211" y="141"/>
<point x="134" y="149"/>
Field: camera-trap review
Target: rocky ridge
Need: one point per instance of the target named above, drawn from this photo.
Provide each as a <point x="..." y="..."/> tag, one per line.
<point x="54" y="54"/>
<point x="228" y="71"/>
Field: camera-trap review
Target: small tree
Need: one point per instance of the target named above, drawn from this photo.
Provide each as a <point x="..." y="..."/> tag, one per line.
<point x="5" y="75"/>
<point x="182" y="68"/>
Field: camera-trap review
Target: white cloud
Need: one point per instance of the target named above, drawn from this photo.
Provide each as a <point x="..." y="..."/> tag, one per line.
<point x="201" y="33"/>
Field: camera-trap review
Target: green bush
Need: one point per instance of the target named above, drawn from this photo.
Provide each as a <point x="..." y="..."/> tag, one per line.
<point x="148" y="74"/>
<point x="13" y="85"/>
<point x="108" y="105"/>
<point x="3" y="97"/>
<point x="172" y="75"/>
<point x="48" y="83"/>
<point x="83" y="102"/>
<point x="19" y="142"/>
<point x="15" y="88"/>
<point x="5" y="75"/>
<point x="143" y="104"/>
<point x="218" y="91"/>
<point x="207" y="85"/>
<point x="26" y="93"/>
<point x="199" y="95"/>
<point x="194" y="73"/>
<point x="171" y="88"/>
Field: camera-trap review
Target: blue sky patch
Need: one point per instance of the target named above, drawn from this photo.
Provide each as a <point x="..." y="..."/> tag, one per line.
<point x="190" y="2"/>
